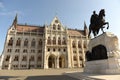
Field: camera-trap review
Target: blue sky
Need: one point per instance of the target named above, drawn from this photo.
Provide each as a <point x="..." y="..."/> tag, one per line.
<point x="72" y="13"/>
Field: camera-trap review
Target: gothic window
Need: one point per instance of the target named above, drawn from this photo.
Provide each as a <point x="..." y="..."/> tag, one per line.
<point x="80" y="58"/>
<point x="10" y="43"/>
<point x="17" y="50"/>
<point x="56" y="21"/>
<point x="79" y="44"/>
<point x="54" y="49"/>
<point x="26" y="43"/>
<point x="18" y="43"/>
<point x="58" y="27"/>
<point x="59" y="41"/>
<point x="73" y="44"/>
<point x="7" y="58"/>
<point x="32" y="51"/>
<point x="64" y="41"/>
<point x="84" y="45"/>
<point x="40" y="42"/>
<point x="59" y="49"/>
<point x="48" y="49"/>
<point x="9" y="50"/>
<point x="54" y="40"/>
<point x="75" y="58"/>
<point x="24" y="58"/>
<point x="16" y="58"/>
<point x="54" y="27"/>
<point x="32" y="58"/>
<point x="39" y="58"/>
<point x="25" y="51"/>
<point x="64" y="50"/>
<point x="49" y="40"/>
<point x="33" y="43"/>
<point x="39" y="51"/>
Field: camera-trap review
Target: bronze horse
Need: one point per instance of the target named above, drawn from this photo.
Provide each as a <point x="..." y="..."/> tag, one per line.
<point x="99" y="24"/>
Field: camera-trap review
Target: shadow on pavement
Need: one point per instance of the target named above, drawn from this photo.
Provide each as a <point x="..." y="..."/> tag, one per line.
<point x="50" y="77"/>
<point x="8" y="77"/>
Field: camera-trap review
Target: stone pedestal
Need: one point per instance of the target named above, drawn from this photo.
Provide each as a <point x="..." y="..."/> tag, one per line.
<point x="111" y="65"/>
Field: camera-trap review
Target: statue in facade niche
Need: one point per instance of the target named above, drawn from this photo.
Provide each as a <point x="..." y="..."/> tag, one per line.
<point x="97" y="22"/>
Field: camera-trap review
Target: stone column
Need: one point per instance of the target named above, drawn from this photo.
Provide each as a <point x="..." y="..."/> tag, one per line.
<point x="1" y="62"/>
<point x="57" y="62"/>
<point x="10" y="62"/>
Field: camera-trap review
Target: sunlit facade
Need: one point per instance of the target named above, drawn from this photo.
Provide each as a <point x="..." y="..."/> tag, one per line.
<point x="48" y="46"/>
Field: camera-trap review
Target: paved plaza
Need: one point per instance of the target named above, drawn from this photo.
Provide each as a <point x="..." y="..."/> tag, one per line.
<point x="53" y="74"/>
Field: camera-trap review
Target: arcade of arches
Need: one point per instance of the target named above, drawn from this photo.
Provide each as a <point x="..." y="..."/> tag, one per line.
<point x="56" y="62"/>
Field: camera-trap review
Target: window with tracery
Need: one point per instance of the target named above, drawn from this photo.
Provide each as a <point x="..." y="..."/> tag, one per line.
<point x="25" y="51"/>
<point x="18" y="42"/>
<point x="9" y="50"/>
<point x="54" y="40"/>
<point x="54" y="27"/>
<point x="80" y="58"/>
<point x="75" y="58"/>
<point x="26" y="43"/>
<point x="79" y="44"/>
<point x="49" y="41"/>
<point x="17" y="50"/>
<point x="39" y="58"/>
<point x="40" y="42"/>
<point x="24" y="58"/>
<point x="32" y="58"/>
<point x="10" y="43"/>
<point x="64" y="41"/>
<point x="7" y="58"/>
<point x="73" y="44"/>
<point x="59" y="41"/>
<point x="16" y="58"/>
<point x="58" y="27"/>
<point x="33" y="43"/>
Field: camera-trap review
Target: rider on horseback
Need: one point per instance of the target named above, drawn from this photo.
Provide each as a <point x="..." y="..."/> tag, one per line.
<point x="93" y="19"/>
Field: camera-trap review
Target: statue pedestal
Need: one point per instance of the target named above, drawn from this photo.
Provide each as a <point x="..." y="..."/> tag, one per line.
<point x="110" y="65"/>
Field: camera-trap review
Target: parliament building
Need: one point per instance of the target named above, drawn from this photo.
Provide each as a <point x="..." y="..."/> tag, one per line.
<point x="43" y="47"/>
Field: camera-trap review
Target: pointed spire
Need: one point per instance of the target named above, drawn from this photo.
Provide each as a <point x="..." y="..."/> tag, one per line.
<point x="85" y="26"/>
<point x="15" y="21"/>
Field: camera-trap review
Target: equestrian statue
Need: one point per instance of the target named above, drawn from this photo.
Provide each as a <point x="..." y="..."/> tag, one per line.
<point x="97" y="22"/>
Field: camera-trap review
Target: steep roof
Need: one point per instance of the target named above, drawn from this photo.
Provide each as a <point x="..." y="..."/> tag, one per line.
<point x="74" y="32"/>
<point x="29" y="28"/>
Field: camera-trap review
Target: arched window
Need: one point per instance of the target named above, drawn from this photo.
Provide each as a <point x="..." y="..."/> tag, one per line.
<point x="24" y="58"/>
<point x="64" y="41"/>
<point x="59" y="41"/>
<point x="54" y="27"/>
<point x="49" y="40"/>
<point x="7" y="58"/>
<point x="79" y="44"/>
<point x="39" y="58"/>
<point x="33" y="43"/>
<point x="54" y="40"/>
<point x="16" y="58"/>
<point x="10" y="43"/>
<point x="25" y="51"/>
<point x="32" y="58"/>
<point x="58" y="27"/>
<point x="26" y="43"/>
<point x="18" y="43"/>
<point x="73" y="44"/>
<point x="80" y="58"/>
<point x="84" y="45"/>
<point x="40" y="42"/>
<point x="75" y="58"/>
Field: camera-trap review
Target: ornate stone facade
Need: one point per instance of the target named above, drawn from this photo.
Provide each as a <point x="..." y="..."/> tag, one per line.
<point x="48" y="46"/>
